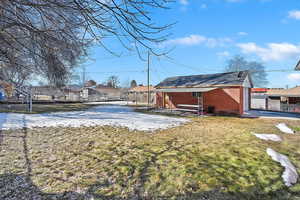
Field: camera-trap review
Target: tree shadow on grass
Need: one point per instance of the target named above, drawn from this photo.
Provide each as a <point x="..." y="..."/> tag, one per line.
<point x="21" y="187"/>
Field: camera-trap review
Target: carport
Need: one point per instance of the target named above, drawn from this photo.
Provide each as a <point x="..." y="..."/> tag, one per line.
<point x="227" y="93"/>
<point x="185" y="104"/>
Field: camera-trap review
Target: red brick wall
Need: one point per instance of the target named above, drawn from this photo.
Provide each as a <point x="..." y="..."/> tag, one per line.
<point x="226" y="100"/>
<point x="174" y="98"/>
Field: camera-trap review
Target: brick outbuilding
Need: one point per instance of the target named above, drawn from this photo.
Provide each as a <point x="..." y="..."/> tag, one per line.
<point x="227" y="93"/>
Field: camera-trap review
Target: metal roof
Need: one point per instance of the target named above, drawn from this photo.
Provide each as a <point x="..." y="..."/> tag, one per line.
<point x="205" y="80"/>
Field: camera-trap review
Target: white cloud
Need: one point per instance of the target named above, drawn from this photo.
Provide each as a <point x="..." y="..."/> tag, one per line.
<point x="242" y="33"/>
<point x="189" y="40"/>
<point x="197" y="40"/>
<point x="184" y="2"/>
<point x="294" y="76"/>
<point x="223" y="54"/>
<point x="294" y="14"/>
<point x="203" y="6"/>
<point x="272" y="52"/>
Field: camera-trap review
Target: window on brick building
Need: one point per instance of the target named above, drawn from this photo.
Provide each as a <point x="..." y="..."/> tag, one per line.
<point x="196" y="94"/>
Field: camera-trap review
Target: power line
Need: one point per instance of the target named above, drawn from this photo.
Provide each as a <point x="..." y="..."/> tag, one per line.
<point x="122" y="56"/>
<point x="172" y="60"/>
<point x="197" y="69"/>
<point x="116" y="72"/>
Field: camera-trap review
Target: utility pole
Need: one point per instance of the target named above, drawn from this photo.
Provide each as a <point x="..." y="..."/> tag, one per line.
<point x="148" y="78"/>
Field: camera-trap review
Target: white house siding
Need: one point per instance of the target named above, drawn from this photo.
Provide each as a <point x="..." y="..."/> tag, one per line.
<point x="274" y="104"/>
<point x="258" y="101"/>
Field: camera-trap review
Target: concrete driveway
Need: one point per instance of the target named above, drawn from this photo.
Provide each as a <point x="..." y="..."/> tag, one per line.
<point x="272" y="115"/>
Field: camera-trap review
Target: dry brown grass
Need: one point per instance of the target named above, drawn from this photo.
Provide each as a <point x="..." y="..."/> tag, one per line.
<point x="43" y="108"/>
<point x="213" y="157"/>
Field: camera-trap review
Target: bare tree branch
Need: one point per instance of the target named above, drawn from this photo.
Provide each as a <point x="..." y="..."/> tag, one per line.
<point x="48" y="37"/>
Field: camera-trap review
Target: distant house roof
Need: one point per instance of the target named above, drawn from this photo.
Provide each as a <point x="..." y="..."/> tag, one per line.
<point x="206" y="80"/>
<point x="141" y="89"/>
<point x="259" y="90"/>
<point x="298" y="66"/>
<point x="292" y="92"/>
<point x="46" y="90"/>
<point x="72" y="88"/>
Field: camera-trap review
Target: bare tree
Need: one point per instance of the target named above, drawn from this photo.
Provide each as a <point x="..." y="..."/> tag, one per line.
<point x="90" y="83"/>
<point x="133" y="84"/>
<point x="113" y="81"/>
<point x="48" y="37"/>
<point x="15" y="74"/>
<point x="256" y="69"/>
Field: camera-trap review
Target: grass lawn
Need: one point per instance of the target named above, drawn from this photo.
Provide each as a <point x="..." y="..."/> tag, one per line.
<point x="209" y="158"/>
<point x="43" y="108"/>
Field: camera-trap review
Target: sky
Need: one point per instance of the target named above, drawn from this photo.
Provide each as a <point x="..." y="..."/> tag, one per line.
<point x="207" y="33"/>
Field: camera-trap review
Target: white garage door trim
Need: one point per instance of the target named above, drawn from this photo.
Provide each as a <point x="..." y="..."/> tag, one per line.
<point x="246" y="99"/>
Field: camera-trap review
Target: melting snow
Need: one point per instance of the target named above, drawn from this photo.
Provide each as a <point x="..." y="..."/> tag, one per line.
<point x="267" y="137"/>
<point x="290" y="174"/>
<point x="284" y="128"/>
<point x="119" y="116"/>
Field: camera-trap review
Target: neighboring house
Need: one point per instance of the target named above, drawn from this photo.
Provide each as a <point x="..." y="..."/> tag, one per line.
<point x="286" y="100"/>
<point x="103" y="93"/>
<point x="112" y="93"/>
<point x="49" y="93"/>
<point x="139" y="95"/>
<point x="259" y="98"/>
<point x="91" y="94"/>
<point x="227" y="93"/>
<point x="72" y="92"/>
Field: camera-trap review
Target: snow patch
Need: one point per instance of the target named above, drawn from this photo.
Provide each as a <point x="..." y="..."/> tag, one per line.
<point x="267" y="137"/>
<point x="284" y="128"/>
<point x="117" y="116"/>
<point x="290" y="174"/>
